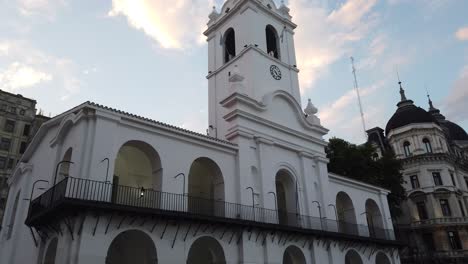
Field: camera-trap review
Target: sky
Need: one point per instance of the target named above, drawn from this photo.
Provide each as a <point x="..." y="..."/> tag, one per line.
<point x="149" y="57"/>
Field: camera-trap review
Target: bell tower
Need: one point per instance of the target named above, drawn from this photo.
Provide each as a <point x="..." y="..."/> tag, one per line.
<point x="250" y="53"/>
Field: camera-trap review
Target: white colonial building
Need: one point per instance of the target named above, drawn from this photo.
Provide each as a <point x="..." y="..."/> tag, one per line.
<point x="98" y="185"/>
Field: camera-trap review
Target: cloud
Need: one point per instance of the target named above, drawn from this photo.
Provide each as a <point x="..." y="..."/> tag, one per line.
<point x="27" y="67"/>
<point x="457" y="100"/>
<point x="42" y="8"/>
<point x="327" y="35"/>
<point x="462" y="33"/>
<point x="18" y="76"/>
<point x="174" y="24"/>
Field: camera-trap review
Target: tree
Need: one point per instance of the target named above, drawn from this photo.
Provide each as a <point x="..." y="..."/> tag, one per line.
<point x="360" y="163"/>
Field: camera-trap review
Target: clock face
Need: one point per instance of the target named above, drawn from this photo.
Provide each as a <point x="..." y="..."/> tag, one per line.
<point x="275" y="72"/>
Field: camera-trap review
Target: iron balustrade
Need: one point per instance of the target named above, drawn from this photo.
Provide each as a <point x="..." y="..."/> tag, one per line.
<point x="91" y="191"/>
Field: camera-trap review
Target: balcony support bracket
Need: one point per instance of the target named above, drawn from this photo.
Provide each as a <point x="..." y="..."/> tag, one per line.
<point x="175" y="236"/>
<point x="98" y="216"/>
<point x="108" y="223"/>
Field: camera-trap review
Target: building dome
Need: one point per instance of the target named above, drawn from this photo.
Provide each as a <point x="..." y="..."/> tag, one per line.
<point x="454" y="131"/>
<point x="408" y="114"/>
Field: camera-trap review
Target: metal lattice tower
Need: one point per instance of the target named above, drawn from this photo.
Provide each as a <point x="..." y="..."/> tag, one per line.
<point x="356" y="87"/>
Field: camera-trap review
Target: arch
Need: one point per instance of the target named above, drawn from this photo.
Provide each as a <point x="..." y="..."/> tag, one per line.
<point x="206" y="187"/>
<point x="381" y="258"/>
<point x="286" y="195"/>
<point x="64" y="171"/>
<point x="132" y="246"/>
<point x="272" y="41"/>
<point x="13" y="213"/>
<point x="346" y="214"/>
<point x="352" y="257"/>
<point x="51" y="252"/>
<point x="138" y="165"/>
<point x="293" y="255"/>
<point x="427" y="145"/>
<point x="206" y="250"/>
<point x="407" y="148"/>
<point x="229" y="45"/>
<point x="374" y="219"/>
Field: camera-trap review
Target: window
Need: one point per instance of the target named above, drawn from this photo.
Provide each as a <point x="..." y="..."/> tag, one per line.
<point x="422" y="210"/>
<point x="406" y="147"/>
<point x="4" y="107"/>
<point x="454" y="240"/>
<point x="414" y="181"/>
<point x="272" y="41"/>
<point x="229" y="45"/>
<point x="22" y="147"/>
<point x="452" y="176"/>
<point x="427" y="145"/>
<point x="26" y="130"/>
<point x="444" y="206"/>
<point x="13" y="110"/>
<point x="22" y="112"/>
<point x="3" y="161"/>
<point x="462" y="210"/>
<point x="9" y="126"/>
<point x="437" y="178"/>
<point x="5" y="144"/>
<point x="10" y="163"/>
<point x="429" y="241"/>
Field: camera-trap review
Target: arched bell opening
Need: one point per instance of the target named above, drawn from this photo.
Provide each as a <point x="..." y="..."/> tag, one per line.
<point x="132" y="247"/>
<point x="206" y="250"/>
<point x="206" y="188"/>
<point x="293" y="255"/>
<point x="229" y="45"/>
<point x="346" y="214"/>
<point x="286" y="191"/>
<point x="272" y="41"/>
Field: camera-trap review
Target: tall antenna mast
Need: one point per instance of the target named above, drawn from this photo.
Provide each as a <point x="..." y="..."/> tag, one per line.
<point x="356" y="87"/>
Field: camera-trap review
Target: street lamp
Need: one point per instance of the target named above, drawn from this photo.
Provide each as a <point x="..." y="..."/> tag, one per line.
<point x="320" y="212"/>
<point x="34" y="187"/>
<point x="336" y="214"/>
<point x="253" y="200"/>
<point x="107" y="171"/>
<point x="181" y="174"/>
<point x="58" y="165"/>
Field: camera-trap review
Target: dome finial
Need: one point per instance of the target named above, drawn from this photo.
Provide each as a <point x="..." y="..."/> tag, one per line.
<point x="431" y="106"/>
<point x="402" y="91"/>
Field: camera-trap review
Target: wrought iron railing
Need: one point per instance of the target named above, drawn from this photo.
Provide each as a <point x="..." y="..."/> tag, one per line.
<point x="441" y="221"/>
<point x="85" y="190"/>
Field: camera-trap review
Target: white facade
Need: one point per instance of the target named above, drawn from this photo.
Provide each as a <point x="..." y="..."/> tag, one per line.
<point x="262" y="151"/>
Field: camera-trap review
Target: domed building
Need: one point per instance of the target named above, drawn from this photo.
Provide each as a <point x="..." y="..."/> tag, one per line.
<point x="434" y="155"/>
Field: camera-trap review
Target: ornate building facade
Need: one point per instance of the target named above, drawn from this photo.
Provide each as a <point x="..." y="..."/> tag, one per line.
<point x="434" y="152"/>
<point x="105" y="186"/>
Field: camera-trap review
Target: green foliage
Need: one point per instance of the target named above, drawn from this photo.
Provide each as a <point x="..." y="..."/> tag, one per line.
<point x="359" y="163"/>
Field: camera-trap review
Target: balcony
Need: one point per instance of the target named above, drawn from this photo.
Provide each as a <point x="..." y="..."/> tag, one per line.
<point x="74" y="195"/>
<point x="446" y="221"/>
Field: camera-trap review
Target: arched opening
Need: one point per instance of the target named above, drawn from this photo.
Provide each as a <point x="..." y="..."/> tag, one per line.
<point x="51" y="252"/>
<point x="381" y="258"/>
<point x="374" y="219"/>
<point x="64" y="171"/>
<point x="206" y="188"/>
<point x="293" y="255"/>
<point x="272" y="41"/>
<point x="131" y="247"/>
<point x="137" y="166"/>
<point x="406" y="148"/>
<point x="13" y="213"/>
<point x="352" y="257"/>
<point x="206" y="250"/>
<point x="286" y="192"/>
<point x="346" y="214"/>
<point x="427" y="145"/>
<point x="229" y="45"/>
